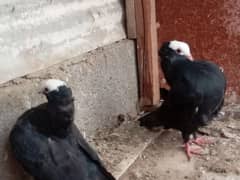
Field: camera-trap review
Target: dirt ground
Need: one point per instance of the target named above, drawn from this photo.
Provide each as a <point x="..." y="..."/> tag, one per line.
<point x="162" y="156"/>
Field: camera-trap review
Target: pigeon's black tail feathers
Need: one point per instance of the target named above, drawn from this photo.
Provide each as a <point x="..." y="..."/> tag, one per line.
<point x="150" y="120"/>
<point x="108" y="174"/>
<point x="164" y="93"/>
<point x="101" y="167"/>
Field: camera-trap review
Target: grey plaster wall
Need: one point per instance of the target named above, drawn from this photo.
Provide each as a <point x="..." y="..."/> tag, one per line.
<point x="104" y="83"/>
<point x="35" y="34"/>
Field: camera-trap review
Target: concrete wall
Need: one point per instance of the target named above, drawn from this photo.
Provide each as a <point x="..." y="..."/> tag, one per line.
<point x="104" y="84"/>
<point x="35" y="34"/>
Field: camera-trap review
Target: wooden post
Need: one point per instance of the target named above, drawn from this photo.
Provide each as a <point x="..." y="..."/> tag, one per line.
<point x="148" y="66"/>
<point x="131" y="21"/>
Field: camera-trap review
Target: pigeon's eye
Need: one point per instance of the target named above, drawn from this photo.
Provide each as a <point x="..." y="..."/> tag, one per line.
<point x="178" y="51"/>
<point x="45" y="89"/>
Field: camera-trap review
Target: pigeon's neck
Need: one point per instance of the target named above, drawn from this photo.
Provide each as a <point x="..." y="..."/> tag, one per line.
<point x="61" y="118"/>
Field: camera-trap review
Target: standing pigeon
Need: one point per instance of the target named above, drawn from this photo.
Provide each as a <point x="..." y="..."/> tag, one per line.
<point x="48" y="144"/>
<point x="196" y="94"/>
<point x="183" y="49"/>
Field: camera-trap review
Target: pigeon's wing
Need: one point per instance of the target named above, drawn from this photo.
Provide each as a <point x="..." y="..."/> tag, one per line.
<point x="35" y="152"/>
<point x="83" y="145"/>
<point x="91" y="153"/>
<point x="28" y="148"/>
<point x="183" y="92"/>
<point x="42" y="158"/>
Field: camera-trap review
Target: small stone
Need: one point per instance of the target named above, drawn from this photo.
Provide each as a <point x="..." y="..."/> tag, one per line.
<point x="226" y="134"/>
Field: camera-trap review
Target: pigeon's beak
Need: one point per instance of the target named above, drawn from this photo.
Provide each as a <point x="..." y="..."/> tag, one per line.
<point x="190" y="57"/>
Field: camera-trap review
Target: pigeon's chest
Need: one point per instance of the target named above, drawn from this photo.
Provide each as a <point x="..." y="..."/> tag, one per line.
<point x="62" y="149"/>
<point x="68" y="158"/>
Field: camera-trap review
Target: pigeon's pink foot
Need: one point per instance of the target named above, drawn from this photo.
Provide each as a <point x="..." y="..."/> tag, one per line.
<point x="201" y="141"/>
<point x="190" y="150"/>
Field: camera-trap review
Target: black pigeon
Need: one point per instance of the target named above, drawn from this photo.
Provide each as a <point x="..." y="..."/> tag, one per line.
<point x="48" y="144"/>
<point x="196" y="94"/>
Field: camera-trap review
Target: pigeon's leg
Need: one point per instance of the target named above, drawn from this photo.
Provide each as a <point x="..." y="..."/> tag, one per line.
<point x="190" y="150"/>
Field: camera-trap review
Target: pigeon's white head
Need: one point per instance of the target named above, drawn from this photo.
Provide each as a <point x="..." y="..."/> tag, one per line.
<point x="60" y="103"/>
<point x="181" y="48"/>
<point x="57" y="91"/>
<point x="51" y="85"/>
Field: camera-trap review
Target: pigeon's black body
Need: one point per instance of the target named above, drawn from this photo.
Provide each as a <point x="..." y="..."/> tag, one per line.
<point x="50" y="147"/>
<point x="196" y="94"/>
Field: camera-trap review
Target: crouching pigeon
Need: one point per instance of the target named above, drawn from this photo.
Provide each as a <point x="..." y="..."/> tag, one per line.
<point x="48" y="144"/>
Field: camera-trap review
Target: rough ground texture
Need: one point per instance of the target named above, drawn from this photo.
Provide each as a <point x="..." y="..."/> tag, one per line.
<point x="159" y="155"/>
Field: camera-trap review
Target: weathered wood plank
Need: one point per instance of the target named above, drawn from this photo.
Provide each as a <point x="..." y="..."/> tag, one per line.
<point x="131" y="21"/>
<point x="148" y="66"/>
